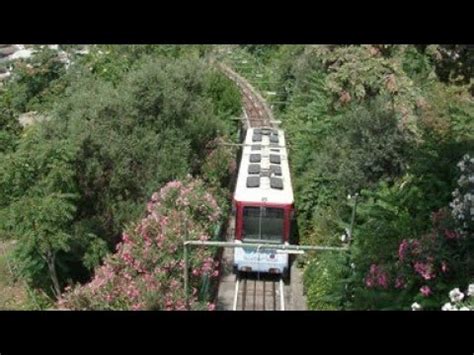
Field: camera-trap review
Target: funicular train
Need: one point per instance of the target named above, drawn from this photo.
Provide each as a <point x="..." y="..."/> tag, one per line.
<point x="263" y="202"/>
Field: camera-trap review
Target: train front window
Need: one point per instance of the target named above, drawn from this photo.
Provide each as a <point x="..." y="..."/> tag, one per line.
<point x="251" y="223"/>
<point x="263" y="224"/>
<point x="272" y="225"/>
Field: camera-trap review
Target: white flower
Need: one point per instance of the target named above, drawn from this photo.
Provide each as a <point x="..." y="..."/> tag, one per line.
<point x="349" y="197"/>
<point x="415" y="307"/>
<point x="464" y="309"/>
<point x="448" y="307"/>
<point x="343" y="237"/>
<point x="470" y="290"/>
<point x="353" y="265"/>
<point x="456" y="295"/>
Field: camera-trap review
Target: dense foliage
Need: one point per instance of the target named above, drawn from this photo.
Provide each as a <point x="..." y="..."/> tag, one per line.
<point x="390" y="123"/>
<point x="146" y="272"/>
<point x="121" y="121"/>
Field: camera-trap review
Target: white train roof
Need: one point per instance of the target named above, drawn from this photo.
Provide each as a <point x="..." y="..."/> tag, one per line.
<point x="264" y="173"/>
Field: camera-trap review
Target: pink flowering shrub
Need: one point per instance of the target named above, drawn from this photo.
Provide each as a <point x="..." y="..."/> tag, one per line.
<point x="376" y="277"/>
<point x="146" y="272"/>
<point x="423" y="268"/>
<point x="425" y="291"/>
<point x="411" y="246"/>
<point x="426" y="258"/>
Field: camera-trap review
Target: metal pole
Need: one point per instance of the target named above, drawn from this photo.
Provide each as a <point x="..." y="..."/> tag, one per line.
<point x="282" y="296"/>
<point x="250" y="145"/>
<point x="262" y="245"/>
<point x="185" y="245"/>
<point x="353" y="216"/>
<point x="236" y="293"/>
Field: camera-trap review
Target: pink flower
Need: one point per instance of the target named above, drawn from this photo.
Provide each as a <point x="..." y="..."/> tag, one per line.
<point x="425" y="270"/>
<point x="377" y="277"/>
<point x="425" y="291"/>
<point x="373" y="268"/>
<point x="382" y="279"/>
<point x="399" y="282"/>
<point x="368" y="282"/>
<point x="402" y="249"/>
<point x="211" y="306"/>
<point x="127" y="258"/>
<point x="125" y="238"/>
<point x="136" y="306"/>
<point x="150" y="206"/>
<point x="450" y="234"/>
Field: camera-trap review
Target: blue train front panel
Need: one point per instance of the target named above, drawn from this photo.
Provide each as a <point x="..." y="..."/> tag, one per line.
<point x="248" y="259"/>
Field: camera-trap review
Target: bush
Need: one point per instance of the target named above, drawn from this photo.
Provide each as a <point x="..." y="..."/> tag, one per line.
<point x="146" y="272"/>
<point x="111" y="144"/>
<point x="402" y="255"/>
<point x="323" y="280"/>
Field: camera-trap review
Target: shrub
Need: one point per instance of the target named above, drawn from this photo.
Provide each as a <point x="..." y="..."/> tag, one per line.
<point x="401" y="257"/>
<point x="111" y="143"/>
<point x="323" y="280"/>
<point x="146" y="272"/>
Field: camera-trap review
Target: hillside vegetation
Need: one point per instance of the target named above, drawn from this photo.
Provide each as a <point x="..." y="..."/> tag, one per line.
<point x="125" y="160"/>
<point x="395" y="125"/>
<point x="121" y="122"/>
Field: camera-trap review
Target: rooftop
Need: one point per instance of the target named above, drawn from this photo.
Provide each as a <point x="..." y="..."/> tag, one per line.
<point x="264" y="173"/>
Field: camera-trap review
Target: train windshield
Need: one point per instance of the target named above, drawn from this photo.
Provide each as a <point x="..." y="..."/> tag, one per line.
<point x="263" y="224"/>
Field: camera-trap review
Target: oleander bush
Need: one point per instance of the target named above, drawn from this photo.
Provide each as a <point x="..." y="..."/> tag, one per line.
<point x="146" y="271"/>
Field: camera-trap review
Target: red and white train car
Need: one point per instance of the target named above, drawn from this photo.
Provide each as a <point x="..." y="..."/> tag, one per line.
<point x="263" y="201"/>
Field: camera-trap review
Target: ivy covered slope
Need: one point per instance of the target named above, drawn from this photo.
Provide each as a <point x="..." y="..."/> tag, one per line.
<point x="118" y="123"/>
<point x="391" y="123"/>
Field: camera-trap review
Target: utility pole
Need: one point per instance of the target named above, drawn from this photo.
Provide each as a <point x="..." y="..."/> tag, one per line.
<point x="186" y="267"/>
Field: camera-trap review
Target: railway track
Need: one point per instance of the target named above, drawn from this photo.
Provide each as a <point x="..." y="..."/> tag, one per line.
<point x="252" y="294"/>
<point x="265" y="292"/>
<point x="256" y="111"/>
